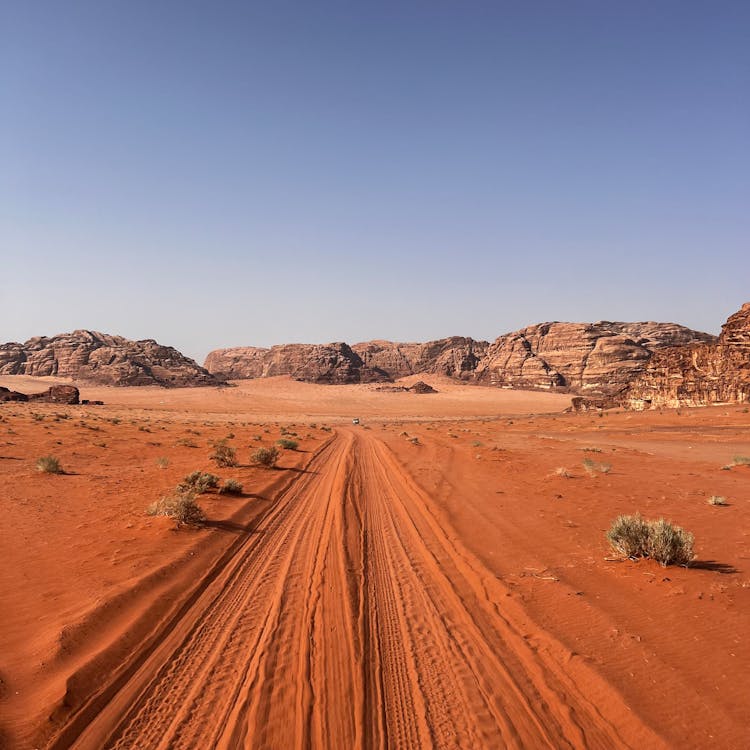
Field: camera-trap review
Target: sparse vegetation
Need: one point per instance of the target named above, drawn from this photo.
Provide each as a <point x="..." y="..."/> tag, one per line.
<point x="265" y="456"/>
<point x="561" y="471"/>
<point x="198" y="482"/>
<point x="231" y="487"/>
<point x="287" y="444"/>
<point x="49" y="465"/>
<point x="224" y="454"/>
<point x="187" y="443"/>
<point x="162" y="462"/>
<point x="633" y="536"/>
<point x="717" y="500"/>
<point x="741" y="461"/>
<point x="595" y="467"/>
<point x="180" y="505"/>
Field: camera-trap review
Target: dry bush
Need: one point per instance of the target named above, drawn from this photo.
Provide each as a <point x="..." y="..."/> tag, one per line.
<point x="668" y="544"/>
<point x="198" y="482"/>
<point x="561" y="471"/>
<point x="628" y="535"/>
<point x="594" y="467"/>
<point x="49" y="465"/>
<point x="180" y="506"/>
<point x="265" y="456"/>
<point x="224" y="454"/>
<point x="632" y="536"/>
<point x="287" y="444"/>
<point x="741" y="460"/>
<point x="231" y="487"/>
<point x="717" y="500"/>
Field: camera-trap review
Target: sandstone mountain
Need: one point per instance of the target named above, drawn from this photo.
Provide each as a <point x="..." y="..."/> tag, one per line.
<point x="88" y="356"/>
<point x="590" y="358"/>
<point x="587" y="358"/>
<point x="334" y="363"/>
<point x="698" y="374"/>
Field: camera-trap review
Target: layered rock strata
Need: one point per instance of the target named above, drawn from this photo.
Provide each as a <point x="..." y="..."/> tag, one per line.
<point x="698" y="374"/>
<point x="92" y="357"/>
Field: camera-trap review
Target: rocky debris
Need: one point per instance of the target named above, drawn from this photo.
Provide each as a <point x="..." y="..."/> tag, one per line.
<point x="698" y="374"/>
<point x="422" y="387"/>
<point x="7" y="395"/>
<point x="587" y="358"/>
<point x="456" y="356"/>
<point x="92" y="357"/>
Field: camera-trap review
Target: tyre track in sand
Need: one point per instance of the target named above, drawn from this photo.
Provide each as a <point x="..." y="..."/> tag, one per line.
<point x="352" y="619"/>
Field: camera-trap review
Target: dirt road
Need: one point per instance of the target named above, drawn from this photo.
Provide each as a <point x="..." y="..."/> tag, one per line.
<point x="352" y="618"/>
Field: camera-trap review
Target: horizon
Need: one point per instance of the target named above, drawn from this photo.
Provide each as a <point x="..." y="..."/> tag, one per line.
<point x="246" y="175"/>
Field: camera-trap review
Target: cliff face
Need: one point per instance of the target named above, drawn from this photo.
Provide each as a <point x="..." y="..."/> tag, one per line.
<point x="587" y="358"/>
<point x="701" y="374"/>
<point x="88" y="356"/>
<point x="456" y="356"/>
<point x="335" y="363"/>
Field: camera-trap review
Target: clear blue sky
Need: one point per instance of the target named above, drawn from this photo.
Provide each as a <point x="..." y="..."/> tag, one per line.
<point x="225" y="173"/>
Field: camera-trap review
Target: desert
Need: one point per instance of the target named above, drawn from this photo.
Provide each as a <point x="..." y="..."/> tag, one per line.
<point x="436" y="576"/>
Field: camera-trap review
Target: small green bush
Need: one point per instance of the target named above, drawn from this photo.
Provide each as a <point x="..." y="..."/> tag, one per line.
<point x="180" y="506"/>
<point x="49" y="465"/>
<point x="287" y="444"/>
<point x="265" y="456"/>
<point x="224" y="454"/>
<point x="198" y="482"/>
<point x="231" y="487"/>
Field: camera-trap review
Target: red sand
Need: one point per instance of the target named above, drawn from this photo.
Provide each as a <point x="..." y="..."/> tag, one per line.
<point x="376" y="590"/>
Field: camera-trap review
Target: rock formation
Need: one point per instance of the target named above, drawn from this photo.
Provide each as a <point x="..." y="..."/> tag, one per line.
<point x="586" y="358"/>
<point x="56" y="394"/>
<point x="456" y="356"/>
<point x="698" y="374"/>
<point x="88" y="356"/>
<point x="333" y="363"/>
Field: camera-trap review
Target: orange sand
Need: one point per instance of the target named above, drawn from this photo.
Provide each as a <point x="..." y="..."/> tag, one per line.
<point x="375" y="590"/>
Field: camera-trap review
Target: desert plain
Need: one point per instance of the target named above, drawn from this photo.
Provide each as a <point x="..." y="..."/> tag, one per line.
<point x="435" y="576"/>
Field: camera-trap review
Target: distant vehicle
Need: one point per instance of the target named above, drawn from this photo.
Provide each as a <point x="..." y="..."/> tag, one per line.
<point x="355" y="421"/>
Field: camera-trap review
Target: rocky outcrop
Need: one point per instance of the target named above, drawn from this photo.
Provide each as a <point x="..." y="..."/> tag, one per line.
<point x="422" y="387"/>
<point x="587" y="358"/>
<point x="333" y="363"/>
<point x="698" y="374"/>
<point x="456" y="357"/>
<point x="91" y="357"/>
<point x="56" y="394"/>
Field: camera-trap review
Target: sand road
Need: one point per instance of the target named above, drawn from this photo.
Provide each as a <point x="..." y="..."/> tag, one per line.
<point x="350" y="618"/>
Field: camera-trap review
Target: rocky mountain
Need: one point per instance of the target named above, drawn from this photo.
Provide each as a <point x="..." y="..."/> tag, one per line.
<point x="92" y="357"/>
<point x="334" y="363"/>
<point x="456" y="356"/>
<point x="698" y="374"/>
<point x="587" y="358"/>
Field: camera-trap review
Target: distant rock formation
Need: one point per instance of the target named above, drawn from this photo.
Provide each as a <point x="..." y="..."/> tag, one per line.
<point x="587" y="358"/>
<point x="456" y="356"/>
<point x="91" y="357"/>
<point x="334" y="363"/>
<point x="421" y="387"/>
<point x="698" y="374"/>
<point x="56" y="394"/>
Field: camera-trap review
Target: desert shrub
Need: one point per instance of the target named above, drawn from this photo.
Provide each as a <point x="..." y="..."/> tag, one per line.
<point x="477" y="444"/>
<point x="594" y="467"/>
<point x="187" y="443"/>
<point x="668" y="544"/>
<point x="224" y="454"/>
<point x="49" y="465"/>
<point x="628" y="535"/>
<point x="265" y="456"/>
<point x="180" y="506"/>
<point x="741" y="461"/>
<point x="257" y="438"/>
<point x="198" y="482"/>
<point x="591" y="450"/>
<point x="326" y="428"/>
<point x="287" y="444"/>
<point x="561" y="471"/>
<point x="231" y="487"/>
<point x="717" y="500"/>
<point x="37" y="417"/>
<point x="162" y="462"/>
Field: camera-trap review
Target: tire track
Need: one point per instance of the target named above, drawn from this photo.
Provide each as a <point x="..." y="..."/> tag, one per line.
<point x="352" y="619"/>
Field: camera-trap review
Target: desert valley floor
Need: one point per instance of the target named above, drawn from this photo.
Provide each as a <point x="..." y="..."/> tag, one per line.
<point x="436" y="576"/>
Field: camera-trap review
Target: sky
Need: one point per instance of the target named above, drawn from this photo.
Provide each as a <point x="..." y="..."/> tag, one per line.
<point x="215" y="174"/>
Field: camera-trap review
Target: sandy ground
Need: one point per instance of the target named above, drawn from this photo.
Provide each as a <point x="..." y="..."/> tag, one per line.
<point x="426" y="579"/>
